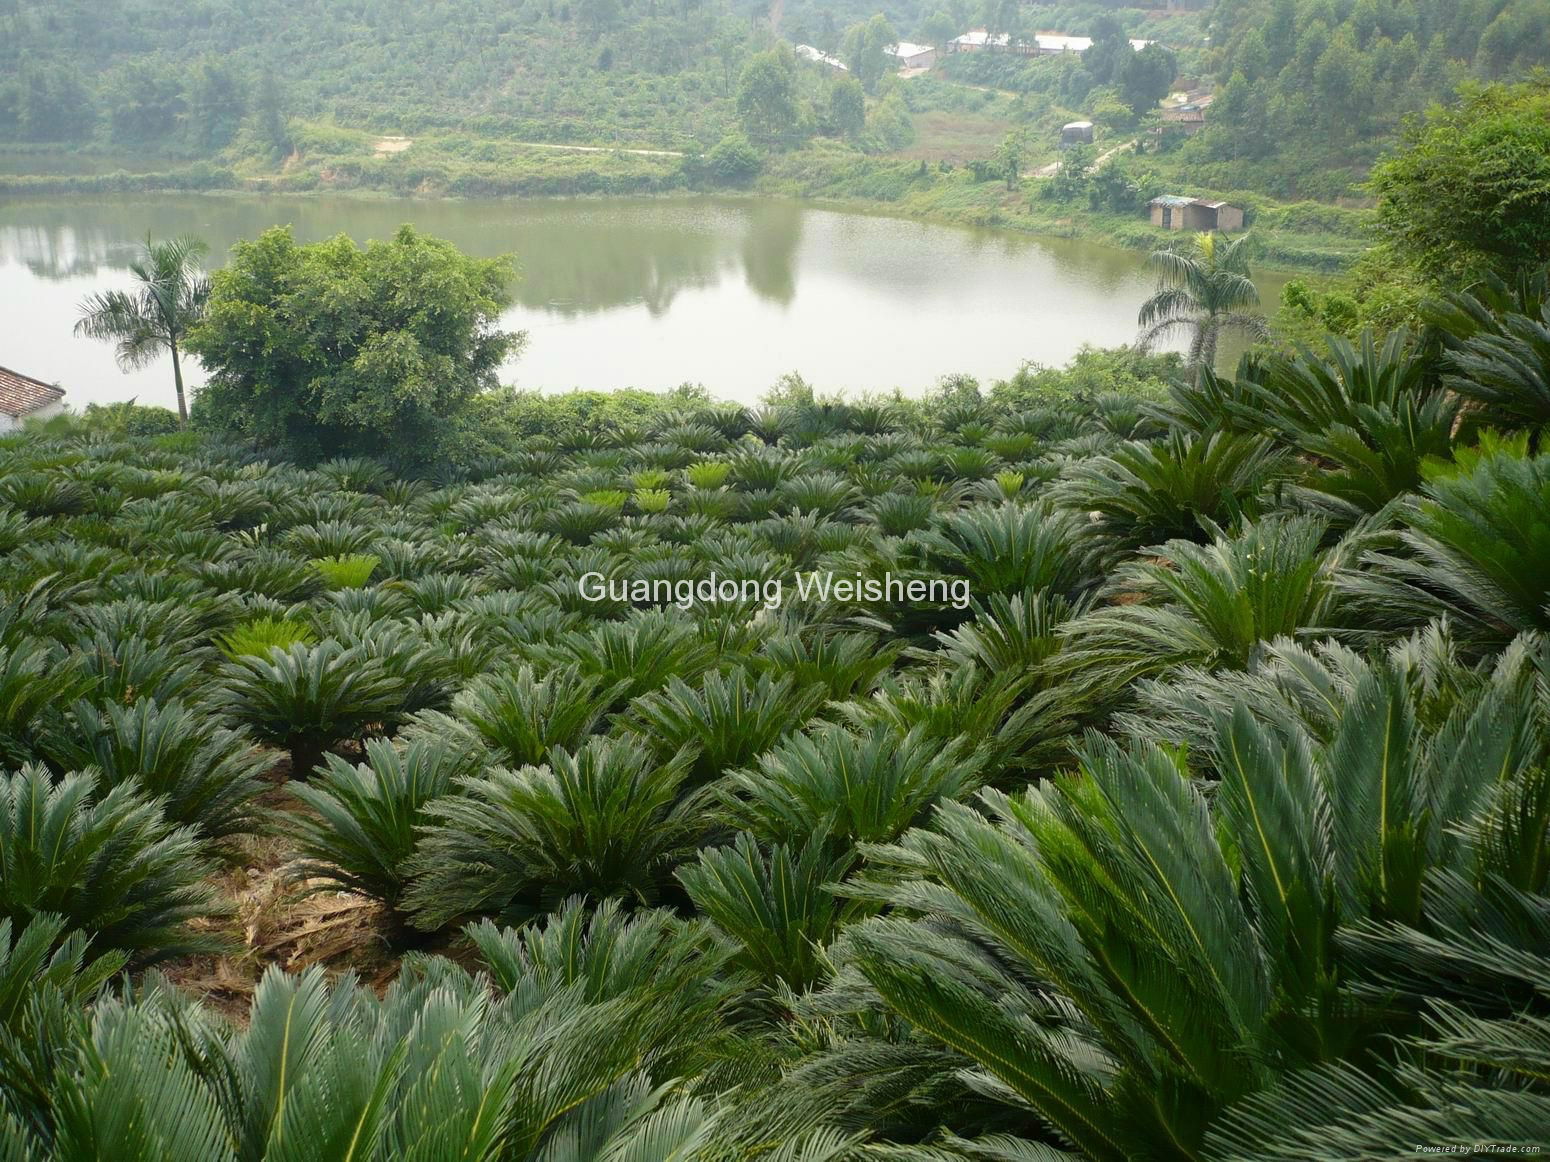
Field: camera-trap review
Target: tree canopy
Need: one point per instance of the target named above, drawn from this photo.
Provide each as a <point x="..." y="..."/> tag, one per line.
<point x="333" y="348"/>
<point x="1470" y="192"/>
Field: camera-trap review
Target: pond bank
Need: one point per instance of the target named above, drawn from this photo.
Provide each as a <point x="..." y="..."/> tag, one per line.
<point x="1303" y="237"/>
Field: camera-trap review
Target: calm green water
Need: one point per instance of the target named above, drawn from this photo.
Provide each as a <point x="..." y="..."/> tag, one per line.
<point x="614" y="293"/>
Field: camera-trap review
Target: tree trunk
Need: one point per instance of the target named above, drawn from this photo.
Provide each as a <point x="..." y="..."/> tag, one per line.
<point x="1208" y="344"/>
<point x="1197" y="345"/>
<point x="306" y="753"/>
<point x="177" y="377"/>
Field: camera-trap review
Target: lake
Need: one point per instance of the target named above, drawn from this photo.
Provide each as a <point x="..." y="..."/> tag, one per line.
<point x="649" y="293"/>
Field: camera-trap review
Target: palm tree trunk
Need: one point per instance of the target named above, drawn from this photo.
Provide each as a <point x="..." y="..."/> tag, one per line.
<point x="1197" y="345"/>
<point x="177" y="377"/>
<point x="1209" y="331"/>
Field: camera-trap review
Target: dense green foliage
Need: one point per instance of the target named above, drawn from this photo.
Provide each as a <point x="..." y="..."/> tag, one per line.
<point x="188" y="78"/>
<point x="331" y="347"/>
<point x="1201" y="812"/>
<point x="1311" y="91"/>
<point x="1470" y="193"/>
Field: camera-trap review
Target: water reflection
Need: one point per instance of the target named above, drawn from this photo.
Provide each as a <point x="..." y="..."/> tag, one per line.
<point x="574" y="258"/>
<point x="770" y="242"/>
<point x="631" y="292"/>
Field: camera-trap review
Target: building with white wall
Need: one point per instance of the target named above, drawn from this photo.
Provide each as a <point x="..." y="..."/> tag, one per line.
<point x="23" y="398"/>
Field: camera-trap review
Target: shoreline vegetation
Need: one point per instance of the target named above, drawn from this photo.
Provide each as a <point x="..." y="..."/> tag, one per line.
<point x="1304" y="237"/>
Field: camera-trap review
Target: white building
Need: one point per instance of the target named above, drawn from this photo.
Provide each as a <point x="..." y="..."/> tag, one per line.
<point x="808" y="53"/>
<point x="1040" y="44"/>
<point x="913" y="56"/>
<point x="23" y="398"/>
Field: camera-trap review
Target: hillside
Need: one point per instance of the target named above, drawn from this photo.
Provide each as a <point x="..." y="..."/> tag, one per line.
<point x="1308" y="92"/>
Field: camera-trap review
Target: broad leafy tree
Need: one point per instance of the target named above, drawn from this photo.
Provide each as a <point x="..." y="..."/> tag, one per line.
<point x="338" y="348"/>
<point x="1470" y="193"/>
<point x="766" y="96"/>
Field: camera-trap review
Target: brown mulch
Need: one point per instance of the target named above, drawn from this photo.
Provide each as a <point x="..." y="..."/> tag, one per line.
<point x="276" y="918"/>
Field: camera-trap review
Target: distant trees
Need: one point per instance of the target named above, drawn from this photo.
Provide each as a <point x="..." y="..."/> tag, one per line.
<point x="1147" y="77"/>
<point x="169" y="300"/>
<point x="866" y="50"/>
<point x="331" y="348"/>
<point x="1002" y="17"/>
<point x="938" y="28"/>
<point x="1110" y="52"/>
<point x="158" y="76"/>
<point x="217" y="103"/>
<point x="144" y="101"/>
<point x="1072" y="177"/>
<point x="889" y="125"/>
<point x="847" y="106"/>
<point x="767" y="97"/>
<point x="732" y="161"/>
<point x="1010" y="155"/>
<point x="1323" y="86"/>
<point x="269" y="115"/>
<point x="51" y="104"/>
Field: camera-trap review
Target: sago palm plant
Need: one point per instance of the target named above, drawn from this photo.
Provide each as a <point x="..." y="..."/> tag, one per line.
<point x="367" y="816"/>
<point x="1474" y="547"/>
<point x="521" y="715"/>
<point x="854" y="787"/>
<point x="605" y="820"/>
<point x="112" y="866"/>
<point x="1146" y="493"/>
<point x="774" y="905"/>
<point x="203" y="775"/>
<point x="1370" y="416"/>
<point x="725" y="721"/>
<point x="1130" y="958"/>
<point x="1211" y="605"/>
<point x="306" y="698"/>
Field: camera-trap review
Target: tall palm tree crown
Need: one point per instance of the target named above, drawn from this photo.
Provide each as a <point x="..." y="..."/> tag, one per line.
<point x="170" y="299"/>
<point x="1207" y="292"/>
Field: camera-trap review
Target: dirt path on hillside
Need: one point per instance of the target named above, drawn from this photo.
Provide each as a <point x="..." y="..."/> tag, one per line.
<point x="600" y="149"/>
<point x="387" y="145"/>
<point x="1049" y="171"/>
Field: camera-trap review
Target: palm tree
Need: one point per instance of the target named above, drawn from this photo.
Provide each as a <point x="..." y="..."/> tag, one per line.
<point x="1208" y="292"/>
<point x="171" y="299"/>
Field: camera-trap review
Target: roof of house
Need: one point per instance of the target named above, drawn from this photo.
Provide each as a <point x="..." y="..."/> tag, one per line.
<point x="21" y="394"/>
<point x="1181" y="200"/>
<point x="1050" y="42"/>
<point x="1076" y="125"/>
<point x="980" y="36"/>
<point x="905" y="48"/>
<point x="1046" y="41"/>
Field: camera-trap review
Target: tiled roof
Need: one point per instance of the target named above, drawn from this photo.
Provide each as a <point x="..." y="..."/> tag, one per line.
<point x="20" y="395"/>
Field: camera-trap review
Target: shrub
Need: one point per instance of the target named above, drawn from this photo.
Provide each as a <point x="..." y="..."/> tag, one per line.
<point x="347" y="572"/>
<point x="308" y="697"/>
<point x="111" y="867"/>
<point x="367" y="815"/>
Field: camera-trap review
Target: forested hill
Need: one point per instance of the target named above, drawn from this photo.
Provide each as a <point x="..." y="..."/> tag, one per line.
<point x="187" y="72"/>
<point x="1322" y="85"/>
<point x="1307" y="93"/>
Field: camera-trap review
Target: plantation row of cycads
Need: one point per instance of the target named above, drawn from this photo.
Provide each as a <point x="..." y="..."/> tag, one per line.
<point x="1217" y="824"/>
